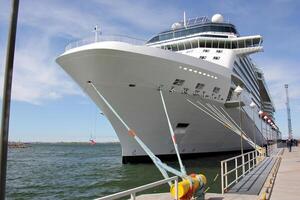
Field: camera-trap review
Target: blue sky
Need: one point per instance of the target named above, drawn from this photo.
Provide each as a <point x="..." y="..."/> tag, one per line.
<point x="48" y="106"/>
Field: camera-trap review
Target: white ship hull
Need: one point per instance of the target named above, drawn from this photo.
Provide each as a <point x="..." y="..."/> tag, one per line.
<point x="113" y="66"/>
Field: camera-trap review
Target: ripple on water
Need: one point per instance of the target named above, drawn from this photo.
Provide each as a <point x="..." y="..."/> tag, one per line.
<point x="81" y="171"/>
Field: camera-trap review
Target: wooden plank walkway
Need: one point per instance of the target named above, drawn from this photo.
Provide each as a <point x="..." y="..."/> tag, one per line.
<point x="252" y="182"/>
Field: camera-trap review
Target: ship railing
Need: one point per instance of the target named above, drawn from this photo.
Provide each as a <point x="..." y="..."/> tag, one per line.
<point x="102" y="38"/>
<point x="233" y="169"/>
<point x="132" y="192"/>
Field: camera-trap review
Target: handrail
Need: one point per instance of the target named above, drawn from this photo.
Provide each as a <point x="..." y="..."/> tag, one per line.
<point x="132" y="192"/>
<point x="101" y="38"/>
<point x="251" y="163"/>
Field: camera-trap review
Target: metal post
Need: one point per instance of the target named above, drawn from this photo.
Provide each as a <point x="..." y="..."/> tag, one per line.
<point x="226" y="175"/>
<point x="243" y="164"/>
<point x="176" y="189"/>
<point x="254" y="133"/>
<point x="222" y="177"/>
<point x="236" y="170"/>
<point x="242" y="149"/>
<point x="7" y="94"/>
<point x="249" y="162"/>
<point x="132" y="196"/>
<point x="266" y="130"/>
<point x="262" y="131"/>
<point x="253" y="158"/>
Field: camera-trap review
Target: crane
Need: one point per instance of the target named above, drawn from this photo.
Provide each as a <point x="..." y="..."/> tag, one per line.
<point x="288" y="112"/>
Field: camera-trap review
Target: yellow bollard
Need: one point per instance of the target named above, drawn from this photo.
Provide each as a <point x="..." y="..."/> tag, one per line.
<point x="186" y="189"/>
<point x="263" y="196"/>
<point x="183" y="188"/>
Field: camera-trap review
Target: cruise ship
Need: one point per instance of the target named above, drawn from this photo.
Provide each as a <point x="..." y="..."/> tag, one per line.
<point x="196" y="65"/>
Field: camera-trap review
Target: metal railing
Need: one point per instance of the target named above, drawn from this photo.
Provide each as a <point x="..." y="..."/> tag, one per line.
<point x="101" y="38"/>
<point x="232" y="169"/>
<point x="132" y="192"/>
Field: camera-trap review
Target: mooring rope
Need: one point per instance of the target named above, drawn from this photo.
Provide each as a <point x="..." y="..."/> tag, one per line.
<point x="172" y="134"/>
<point x="162" y="167"/>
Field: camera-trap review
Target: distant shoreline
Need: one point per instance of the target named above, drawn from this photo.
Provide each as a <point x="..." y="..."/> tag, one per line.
<point x="108" y="142"/>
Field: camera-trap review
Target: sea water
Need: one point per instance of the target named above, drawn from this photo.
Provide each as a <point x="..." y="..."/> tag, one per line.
<point x="83" y="171"/>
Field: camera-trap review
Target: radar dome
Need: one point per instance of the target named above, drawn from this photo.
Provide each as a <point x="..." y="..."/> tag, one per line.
<point x="217" y="18"/>
<point x="176" y="25"/>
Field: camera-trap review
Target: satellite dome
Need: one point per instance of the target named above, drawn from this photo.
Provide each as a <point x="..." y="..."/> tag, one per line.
<point x="217" y="18"/>
<point x="176" y="25"/>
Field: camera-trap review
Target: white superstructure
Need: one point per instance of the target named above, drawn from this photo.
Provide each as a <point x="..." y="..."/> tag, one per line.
<point x="197" y="60"/>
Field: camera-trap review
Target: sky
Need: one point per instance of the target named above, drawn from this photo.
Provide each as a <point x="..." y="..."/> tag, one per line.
<point x="47" y="106"/>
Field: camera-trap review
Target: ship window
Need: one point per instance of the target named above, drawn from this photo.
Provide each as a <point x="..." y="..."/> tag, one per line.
<point x="195" y="44"/>
<point x="221" y="45"/>
<point x="209" y="44"/>
<point x="199" y="86"/>
<point x="154" y="39"/>
<point x="215" y="44"/>
<point x="216" y="57"/>
<point x="180" y="47"/>
<point x="202" y="44"/>
<point x="178" y="82"/>
<point x="182" y="125"/>
<point x="187" y="45"/>
<point x="185" y="90"/>
<point x="228" y="45"/>
<point x="174" y="47"/>
<point x="256" y="41"/>
<point x="249" y="43"/>
<point x="216" y="90"/>
<point x="166" y="36"/>
<point x="206" y="50"/>
<point x="234" y="44"/>
<point x="202" y="57"/>
<point x="241" y="43"/>
<point x="192" y="30"/>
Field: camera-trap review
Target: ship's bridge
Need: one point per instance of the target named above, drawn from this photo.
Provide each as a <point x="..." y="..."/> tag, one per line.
<point x="196" y="26"/>
<point x="241" y="45"/>
<point x="202" y="32"/>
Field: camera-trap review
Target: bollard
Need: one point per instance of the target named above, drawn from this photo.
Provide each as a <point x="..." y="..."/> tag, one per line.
<point x="263" y="196"/>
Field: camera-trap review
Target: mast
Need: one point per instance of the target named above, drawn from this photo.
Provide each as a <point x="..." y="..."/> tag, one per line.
<point x="184" y="20"/>
<point x="288" y="112"/>
<point x="97" y="32"/>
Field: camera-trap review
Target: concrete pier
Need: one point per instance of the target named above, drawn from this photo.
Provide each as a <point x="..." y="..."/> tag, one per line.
<point x="208" y="196"/>
<point x="287" y="184"/>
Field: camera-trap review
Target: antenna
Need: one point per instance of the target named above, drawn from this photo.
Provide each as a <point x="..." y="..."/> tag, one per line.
<point x="97" y="32"/>
<point x="288" y="112"/>
<point x="184" y="19"/>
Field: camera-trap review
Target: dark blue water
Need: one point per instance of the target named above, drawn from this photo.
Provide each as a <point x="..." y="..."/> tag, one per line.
<point x="82" y="171"/>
